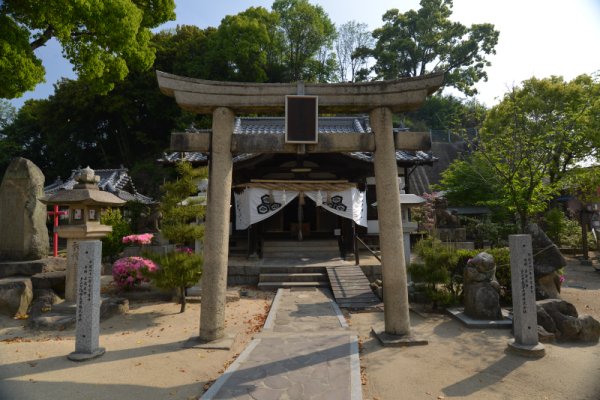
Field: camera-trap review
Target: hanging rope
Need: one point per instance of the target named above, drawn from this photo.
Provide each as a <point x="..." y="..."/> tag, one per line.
<point x="300" y="186"/>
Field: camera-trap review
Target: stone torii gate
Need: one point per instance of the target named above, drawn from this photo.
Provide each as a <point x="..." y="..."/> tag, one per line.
<point x="226" y="99"/>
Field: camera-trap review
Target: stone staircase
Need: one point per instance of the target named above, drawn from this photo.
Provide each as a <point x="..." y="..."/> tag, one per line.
<point x="293" y="264"/>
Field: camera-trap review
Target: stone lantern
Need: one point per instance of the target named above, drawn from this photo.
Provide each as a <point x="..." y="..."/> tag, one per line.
<point x="408" y="201"/>
<point x="85" y="202"/>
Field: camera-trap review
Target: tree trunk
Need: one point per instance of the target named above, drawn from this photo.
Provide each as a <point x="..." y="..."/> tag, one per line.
<point x="584" y="242"/>
<point x="182" y="297"/>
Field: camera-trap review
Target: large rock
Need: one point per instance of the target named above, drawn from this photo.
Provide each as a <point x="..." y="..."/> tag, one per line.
<point x="547" y="258"/>
<point x="50" y="280"/>
<point x="15" y="296"/>
<point x="21" y="210"/>
<point x="29" y="268"/>
<point x="560" y="318"/>
<point x="59" y="317"/>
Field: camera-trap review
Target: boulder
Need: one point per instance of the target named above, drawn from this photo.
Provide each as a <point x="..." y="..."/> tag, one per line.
<point x="20" y="268"/>
<point x="548" y="286"/>
<point x="43" y="300"/>
<point x="560" y="318"/>
<point x="22" y="211"/>
<point x="62" y="315"/>
<point x="29" y="268"/>
<point x="112" y="306"/>
<point x="15" y="296"/>
<point x="547" y="257"/>
<point x="50" y="280"/>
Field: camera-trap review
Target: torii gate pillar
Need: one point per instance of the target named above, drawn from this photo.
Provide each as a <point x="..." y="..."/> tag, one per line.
<point x="216" y="247"/>
<point x="395" y="293"/>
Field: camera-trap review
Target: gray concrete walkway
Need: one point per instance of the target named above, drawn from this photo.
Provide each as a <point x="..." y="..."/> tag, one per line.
<point x="306" y="351"/>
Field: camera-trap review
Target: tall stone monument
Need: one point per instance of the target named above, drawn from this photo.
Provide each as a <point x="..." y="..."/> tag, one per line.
<point x="24" y="235"/>
<point x="523" y="294"/>
<point x="87" y="331"/>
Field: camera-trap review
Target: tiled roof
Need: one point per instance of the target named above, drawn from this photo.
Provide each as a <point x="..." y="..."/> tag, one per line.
<point x="276" y="125"/>
<point x="355" y="124"/>
<point x="402" y="156"/>
<point x="116" y="181"/>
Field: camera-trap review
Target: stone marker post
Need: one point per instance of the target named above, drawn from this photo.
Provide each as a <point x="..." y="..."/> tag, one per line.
<point x="523" y="293"/>
<point x="87" y="332"/>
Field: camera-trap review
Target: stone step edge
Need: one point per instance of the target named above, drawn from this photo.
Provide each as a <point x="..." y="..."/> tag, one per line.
<point x="275" y="285"/>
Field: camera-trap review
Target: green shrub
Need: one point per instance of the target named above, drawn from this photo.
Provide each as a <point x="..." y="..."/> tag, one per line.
<point x="438" y="262"/>
<point x="176" y="270"/>
<point x="112" y="245"/>
<point x="492" y="233"/>
<point x="555" y="224"/>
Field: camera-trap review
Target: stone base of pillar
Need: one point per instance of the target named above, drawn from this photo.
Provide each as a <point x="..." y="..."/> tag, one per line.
<point x="534" y="351"/>
<point x="75" y="356"/>
<point x="224" y="343"/>
<point x="389" y="340"/>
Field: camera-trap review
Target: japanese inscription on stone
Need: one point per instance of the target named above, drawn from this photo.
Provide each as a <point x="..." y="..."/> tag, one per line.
<point x="523" y="290"/>
<point x="88" y="255"/>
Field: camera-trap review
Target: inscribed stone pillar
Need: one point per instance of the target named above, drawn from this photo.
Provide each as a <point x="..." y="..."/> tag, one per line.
<point x="523" y="294"/>
<point x="87" y="328"/>
<point x="24" y="235"/>
<point x="216" y="233"/>
<point x="395" y="293"/>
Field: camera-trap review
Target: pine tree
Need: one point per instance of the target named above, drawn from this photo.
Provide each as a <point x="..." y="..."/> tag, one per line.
<point x="180" y="213"/>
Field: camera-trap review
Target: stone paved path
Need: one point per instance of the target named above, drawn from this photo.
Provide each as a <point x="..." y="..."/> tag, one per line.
<point x="306" y="351"/>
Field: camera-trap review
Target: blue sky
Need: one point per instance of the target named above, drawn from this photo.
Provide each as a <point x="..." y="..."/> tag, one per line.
<point x="537" y="37"/>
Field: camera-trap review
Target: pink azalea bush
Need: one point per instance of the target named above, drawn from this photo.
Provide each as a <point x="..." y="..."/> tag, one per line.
<point x="127" y="271"/>
<point x="144" y="238"/>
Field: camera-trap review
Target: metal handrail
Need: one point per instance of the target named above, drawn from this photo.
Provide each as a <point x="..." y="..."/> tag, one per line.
<point x="359" y="240"/>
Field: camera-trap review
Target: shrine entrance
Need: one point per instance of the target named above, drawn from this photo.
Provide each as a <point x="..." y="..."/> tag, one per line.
<point x="302" y="136"/>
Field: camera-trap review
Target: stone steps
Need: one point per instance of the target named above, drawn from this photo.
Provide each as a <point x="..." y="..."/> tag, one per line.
<point x="310" y="249"/>
<point x="275" y="277"/>
<point x="294" y="277"/>
<point x="279" y="285"/>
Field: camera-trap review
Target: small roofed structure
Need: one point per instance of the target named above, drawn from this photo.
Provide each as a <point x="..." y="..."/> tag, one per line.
<point x="116" y="181"/>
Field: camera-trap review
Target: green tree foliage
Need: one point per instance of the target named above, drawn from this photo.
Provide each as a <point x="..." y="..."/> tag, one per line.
<point x="128" y="126"/>
<point x="420" y="42"/>
<point x="470" y="182"/>
<point x="246" y="47"/>
<point x="306" y="29"/>
<point x="112" y="244"/>
<point x="447" y="112"/>
<point x="179" y="212"/>
<point x="534" y="136"/>
<point x="176" y="270"/>
<point x="583" y="182"/>
<point x="78" y="127"/>
<point x="103" y="40"/>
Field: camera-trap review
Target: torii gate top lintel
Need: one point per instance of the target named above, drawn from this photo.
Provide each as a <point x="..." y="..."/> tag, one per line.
<point x="203" y="96"/>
